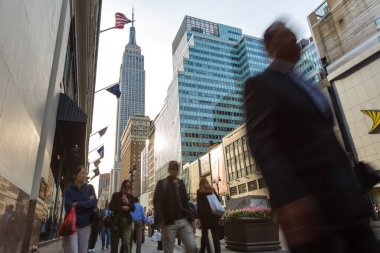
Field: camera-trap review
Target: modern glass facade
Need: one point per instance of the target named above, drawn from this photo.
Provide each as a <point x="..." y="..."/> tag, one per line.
<point x="309" y="65"/>
<point x="210" y="62"/>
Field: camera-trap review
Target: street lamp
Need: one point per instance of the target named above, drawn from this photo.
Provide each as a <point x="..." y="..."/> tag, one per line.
<point x="217" y="183"/>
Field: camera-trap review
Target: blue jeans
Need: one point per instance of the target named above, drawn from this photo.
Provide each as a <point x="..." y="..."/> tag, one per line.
<point x="106" y="232"/>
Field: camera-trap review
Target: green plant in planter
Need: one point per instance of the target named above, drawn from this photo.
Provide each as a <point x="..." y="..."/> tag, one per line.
<point x="256" y="212"/>
<point x="251" y="230"/>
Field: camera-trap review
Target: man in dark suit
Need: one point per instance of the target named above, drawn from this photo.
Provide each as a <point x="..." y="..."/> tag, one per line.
<point x="172" y="211"/>
<point x="313" y="189"/>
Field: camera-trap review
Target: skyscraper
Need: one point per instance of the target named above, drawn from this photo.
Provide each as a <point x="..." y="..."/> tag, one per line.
<point x="104" y="182"/>
<point x="204" y="101"/>
<point x="132" y="143"/>
<point x="309" y="66"/>
<point x="132" y="86"/>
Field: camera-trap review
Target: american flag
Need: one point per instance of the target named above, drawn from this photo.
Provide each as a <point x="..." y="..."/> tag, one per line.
<point x="121" y="20"/>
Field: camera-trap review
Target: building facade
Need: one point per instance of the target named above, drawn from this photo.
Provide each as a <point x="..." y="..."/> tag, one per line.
<point x="113" y="185"/>
<point x="151" y="166"/>
<point x="133" y="142"/>
<point x="243" y="175"/>
<point x="144" y="169"/>
<point x="132" y="87"/>
<point x="103" y="198"/>
<point x="104" y="182"/>
<point x="232" y="171"/>
<point x="210" y="166"/>
<point x="47" y="78"/>
<point x="352" y="65"/>
<point x="204" y="101"/>
<point x="309" y="66"/>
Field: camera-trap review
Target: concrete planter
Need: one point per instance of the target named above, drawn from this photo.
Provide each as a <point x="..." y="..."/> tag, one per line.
<point x="252" y="235"/>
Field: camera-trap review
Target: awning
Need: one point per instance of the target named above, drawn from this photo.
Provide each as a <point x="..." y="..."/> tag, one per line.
<point x="69" y="111"/>
<point x="69" y="139"/>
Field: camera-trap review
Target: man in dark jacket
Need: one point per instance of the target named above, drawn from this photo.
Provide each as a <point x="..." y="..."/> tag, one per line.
<point x="95" y="228"/>
<point x="172" y="211"/>
<point x="311" y="182"/>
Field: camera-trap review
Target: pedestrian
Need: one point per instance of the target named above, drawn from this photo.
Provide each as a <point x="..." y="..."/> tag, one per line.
<point x="313" y="190"/>
<point x="7" y="224"/>
<point x="193" y="210"/>
<point x="106" y="226"/>
<point x="122" y="205"/>
<point x="172" y="211"/>
<point x="150" y="221"/>
<point x="43" y="230"/>
<point x="207" y="219"/>
<point x="80" y="195"/>
<point x="95" y="228"/>
<point x="138" y="217"/>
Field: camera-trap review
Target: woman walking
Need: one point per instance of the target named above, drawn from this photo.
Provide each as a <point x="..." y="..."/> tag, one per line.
<point x="95" y="229"/>
<point x="80" y="195"/>
<point x="122" y="205"/>
<point x="207" y="219"/>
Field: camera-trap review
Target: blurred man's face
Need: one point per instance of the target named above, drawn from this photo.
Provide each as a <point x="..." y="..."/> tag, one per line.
<point x="173" y="172"/>
<point x="284" y="45"/>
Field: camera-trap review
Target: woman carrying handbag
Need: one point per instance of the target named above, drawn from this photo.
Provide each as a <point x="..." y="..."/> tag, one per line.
<point x="81" y="196"/>
<point x="122" y="205"/>
<point x="207" y="219"/>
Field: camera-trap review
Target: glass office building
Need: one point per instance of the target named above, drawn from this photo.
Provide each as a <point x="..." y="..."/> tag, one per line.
<point x="309" y="65"/>
<point x="204" y="101"/>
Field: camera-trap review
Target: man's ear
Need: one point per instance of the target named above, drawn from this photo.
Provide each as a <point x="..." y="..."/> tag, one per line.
<point x="271" y="52"/>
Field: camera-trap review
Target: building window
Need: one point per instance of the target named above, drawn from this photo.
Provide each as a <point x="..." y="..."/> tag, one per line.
<point x="233" y="190"/>
<point x="377" y="22"/>
<point x="322" y="10"/>
<point x="252" y="185"/>
<point x="242" y="188"/>
<point x="262" y="183"/>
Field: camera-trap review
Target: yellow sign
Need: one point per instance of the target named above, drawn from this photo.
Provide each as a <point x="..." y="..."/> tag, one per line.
<point x="375" y="116"/>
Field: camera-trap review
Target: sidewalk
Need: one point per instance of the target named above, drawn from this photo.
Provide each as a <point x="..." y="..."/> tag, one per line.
<point x="148" y="246"/>
<point x="151" y="247"/>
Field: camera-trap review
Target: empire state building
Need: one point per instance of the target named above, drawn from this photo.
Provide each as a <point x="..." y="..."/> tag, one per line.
<point x="132" y="86"/>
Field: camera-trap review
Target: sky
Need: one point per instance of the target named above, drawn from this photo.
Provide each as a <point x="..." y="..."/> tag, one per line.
<point x="157" y="23"/>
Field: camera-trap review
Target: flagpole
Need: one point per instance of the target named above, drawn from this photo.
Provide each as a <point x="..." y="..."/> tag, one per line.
<point x="107" y="29"/>
<point x="96" y="148"/>
<point x="106" y="87"/>
<point x="98" y="131"/>
<point x="95" y="160"/>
